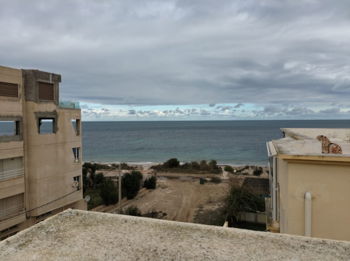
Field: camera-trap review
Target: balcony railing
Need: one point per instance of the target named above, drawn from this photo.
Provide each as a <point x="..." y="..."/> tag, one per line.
<point x="11" y="206"/>
<point x="9" y="174"/>
<point x="69" y="105"/>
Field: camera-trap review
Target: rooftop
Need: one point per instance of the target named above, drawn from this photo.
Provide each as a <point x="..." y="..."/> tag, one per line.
<point x="303" y="141"/>
<point x="82" y="235"/>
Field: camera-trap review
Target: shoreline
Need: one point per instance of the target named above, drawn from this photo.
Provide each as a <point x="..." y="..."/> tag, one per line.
<point x="152" y="163"/>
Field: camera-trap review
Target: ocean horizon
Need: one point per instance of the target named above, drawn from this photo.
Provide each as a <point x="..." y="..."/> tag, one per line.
<point x="228" y="142"/>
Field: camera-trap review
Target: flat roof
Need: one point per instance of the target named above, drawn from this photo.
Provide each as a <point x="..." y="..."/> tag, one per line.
<point x="83" y="235"/>
<point x="303" y="141"/>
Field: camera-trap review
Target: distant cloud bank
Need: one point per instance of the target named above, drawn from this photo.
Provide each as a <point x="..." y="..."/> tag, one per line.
<point x="98" y="112"/>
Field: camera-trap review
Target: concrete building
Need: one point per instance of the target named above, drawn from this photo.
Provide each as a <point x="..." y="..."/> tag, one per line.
<point x="310" y="184"/>
<point x="40" y="150"/>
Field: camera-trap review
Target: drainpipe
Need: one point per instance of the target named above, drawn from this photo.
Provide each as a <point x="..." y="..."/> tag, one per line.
<point x="308" y="214"/>
<point x="274" y="187"/>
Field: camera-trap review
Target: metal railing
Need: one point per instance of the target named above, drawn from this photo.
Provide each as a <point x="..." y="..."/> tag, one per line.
<point x="9" y="174"/>
<point x="11" y="206"/>
<point x="69" y="105"/>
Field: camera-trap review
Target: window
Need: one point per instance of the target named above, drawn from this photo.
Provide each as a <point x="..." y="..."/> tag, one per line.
<point x="46" y="91"/>
<point x="76" y="126"/>
<point x="8" y="89"/>
<point x="46" y="125"/>
<point x="76" y="182"/>
<point x="9" y="128"/>
<point x="76" y="152"/>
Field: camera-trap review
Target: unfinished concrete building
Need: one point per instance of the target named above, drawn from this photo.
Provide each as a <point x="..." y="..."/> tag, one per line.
<point x="40" y="150"/>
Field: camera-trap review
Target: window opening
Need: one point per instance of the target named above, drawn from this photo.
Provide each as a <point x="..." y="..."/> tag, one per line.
<point x="9" y="128"/>
<point x="76" y="152"/>
<point x="76" y="126"/>
<point x="46" y="125"/>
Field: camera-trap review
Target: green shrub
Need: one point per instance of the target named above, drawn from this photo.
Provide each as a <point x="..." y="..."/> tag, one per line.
<point x="150" y="183"/>
<point x="171" y="163"/>
<point x="99" y="179"/>
<point x="132" y="211"/>
<point x="215" y="180"/>
<point x="131" y="184"/>
<point x="228" y="169"/>
<point x="258" y="171"/>
<point x="108" y="192"/>
<point x="240" y="200"/>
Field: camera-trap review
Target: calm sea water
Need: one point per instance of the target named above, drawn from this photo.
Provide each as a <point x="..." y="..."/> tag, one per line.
<point x="230" y="142"/>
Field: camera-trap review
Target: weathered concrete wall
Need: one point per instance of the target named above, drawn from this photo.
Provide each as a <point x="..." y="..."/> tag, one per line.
<point x="31" y="79"/>
<point x="50" y="159"/>
<point x="82" y="235"/>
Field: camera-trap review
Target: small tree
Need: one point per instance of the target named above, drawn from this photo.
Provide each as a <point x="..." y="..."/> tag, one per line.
<point x="228" y="169"/>
<point x="99" y="179"/>
<point x="131" y="184"/>
<point x="150" y="183"/>
<point x="108" y="192"/>
<point x="171" y="163"/>
<point x="240" y="200"/>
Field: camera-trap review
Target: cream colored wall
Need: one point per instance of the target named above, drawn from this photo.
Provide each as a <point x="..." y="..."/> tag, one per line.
<point x="330" y="188"/>
<point x="50" y="161"/>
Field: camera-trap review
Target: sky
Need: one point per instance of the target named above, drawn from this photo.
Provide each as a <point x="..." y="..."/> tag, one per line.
<point x="187" y="59"/>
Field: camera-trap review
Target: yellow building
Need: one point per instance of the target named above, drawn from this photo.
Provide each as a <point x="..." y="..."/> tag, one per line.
<point x="310" y="189"/>
<point x="40" y="150"/>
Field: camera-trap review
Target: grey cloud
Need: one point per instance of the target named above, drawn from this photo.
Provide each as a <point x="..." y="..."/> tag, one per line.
<point x="330" y="111"/>
<point x="185" y="52"/>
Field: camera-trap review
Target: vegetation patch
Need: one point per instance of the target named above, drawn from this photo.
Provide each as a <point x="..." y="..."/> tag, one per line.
<point x="202" y="167"/>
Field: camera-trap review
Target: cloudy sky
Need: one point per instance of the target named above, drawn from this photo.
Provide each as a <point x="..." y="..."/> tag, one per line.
<point x="187" y="59"/>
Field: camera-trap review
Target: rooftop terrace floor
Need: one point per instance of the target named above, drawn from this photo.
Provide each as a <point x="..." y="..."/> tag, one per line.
<point x="81" y="235"/>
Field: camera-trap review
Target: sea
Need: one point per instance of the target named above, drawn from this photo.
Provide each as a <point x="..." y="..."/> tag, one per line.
<point x="227" y="142"/>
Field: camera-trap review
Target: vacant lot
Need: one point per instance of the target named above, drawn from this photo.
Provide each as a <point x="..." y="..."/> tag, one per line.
<point x="180" y="198"/>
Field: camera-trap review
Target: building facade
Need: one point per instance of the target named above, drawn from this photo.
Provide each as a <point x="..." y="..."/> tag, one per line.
<point x="309" y="187"/>
<point x="40" y="150"/>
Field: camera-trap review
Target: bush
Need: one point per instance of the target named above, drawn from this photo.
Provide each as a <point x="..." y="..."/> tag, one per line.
<point x="108" y="192"/>
<point x="131" y="184"/>
<point x="99" y="179"/>
<point x="189" y="167"/>
<point x="132" y="211"/>
<point x="150" y="183"/>
<point x="215" y="180"/>
<point x="258" y="171"/>
<point x="171" y="163"/>
<point x="228" y="169"/>
<point x="240" y="200"/>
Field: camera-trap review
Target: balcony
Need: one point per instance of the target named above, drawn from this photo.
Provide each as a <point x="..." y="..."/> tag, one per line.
<point x="10" y="174"/>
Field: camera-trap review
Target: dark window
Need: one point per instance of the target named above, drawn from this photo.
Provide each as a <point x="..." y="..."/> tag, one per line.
<point x="46" y="91"/>
<point x="76" y="126"/>
<point x="8" y="89"/>
<point x="76" y="152"/>
<point x="46" y="125"/>
<point x="9" y="128"/>
<point x="76" y="182"/>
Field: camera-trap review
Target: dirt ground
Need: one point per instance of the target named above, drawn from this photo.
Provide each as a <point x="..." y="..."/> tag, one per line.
<point x="180" y="198"/>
